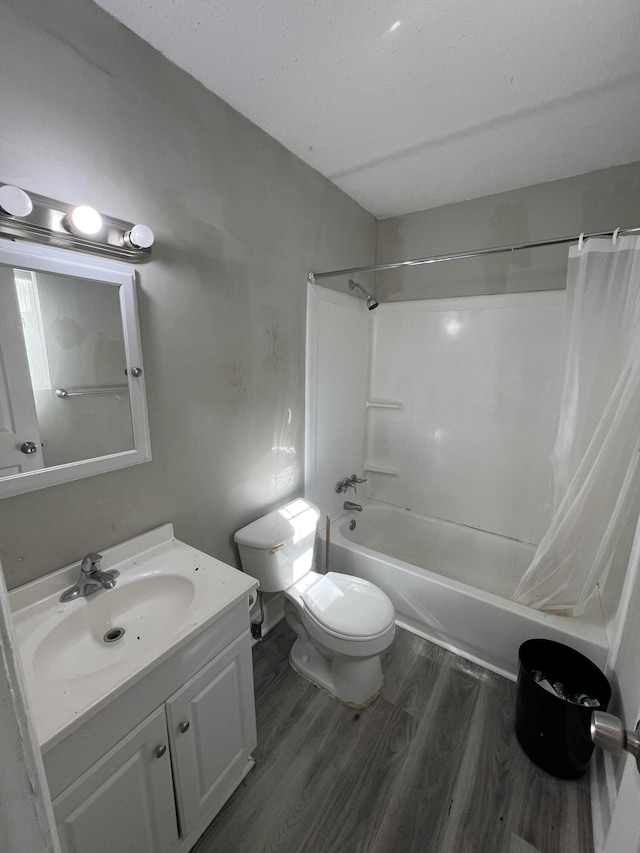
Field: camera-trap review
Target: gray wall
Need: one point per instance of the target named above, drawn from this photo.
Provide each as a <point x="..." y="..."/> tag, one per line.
<point x="597" y="201"/>
<point x="92" y="114"/>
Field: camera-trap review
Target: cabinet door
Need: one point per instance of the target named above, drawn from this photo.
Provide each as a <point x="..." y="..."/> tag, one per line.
<point x="212" y="730"/>
<point x="124" y="802"/>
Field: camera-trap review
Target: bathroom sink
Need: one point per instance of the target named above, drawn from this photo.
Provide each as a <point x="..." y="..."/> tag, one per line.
<point x="78" y="655"/>
<point x="98" y="631"/>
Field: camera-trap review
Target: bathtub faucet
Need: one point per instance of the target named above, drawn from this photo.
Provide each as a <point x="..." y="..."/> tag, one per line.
<point x="351" y="505"/>
<point x="349" y="483"/>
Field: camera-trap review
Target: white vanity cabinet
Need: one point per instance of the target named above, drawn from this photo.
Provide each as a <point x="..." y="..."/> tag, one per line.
<point x="212" y="730"/>
<point x="145" y="734"/>
<point x="158" y="787"/>
<point x="125" y="801"/>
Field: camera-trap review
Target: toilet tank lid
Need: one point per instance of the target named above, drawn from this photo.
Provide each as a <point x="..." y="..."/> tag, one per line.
<point x="295" y="520"/>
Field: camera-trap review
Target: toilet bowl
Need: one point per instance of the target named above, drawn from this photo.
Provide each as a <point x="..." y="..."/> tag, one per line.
<point x="342" y="623"/>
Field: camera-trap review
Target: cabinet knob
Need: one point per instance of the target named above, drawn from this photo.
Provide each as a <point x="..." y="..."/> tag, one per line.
<point x="160" y="750"/>
<point x="184" y="726"/>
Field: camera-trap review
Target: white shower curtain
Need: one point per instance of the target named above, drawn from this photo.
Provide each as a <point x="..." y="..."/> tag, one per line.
<point x="596" y="458"/>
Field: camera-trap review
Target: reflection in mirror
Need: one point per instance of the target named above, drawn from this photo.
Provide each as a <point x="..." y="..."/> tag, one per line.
<point x="75" y="350"/>
<point x="69" y="405"/>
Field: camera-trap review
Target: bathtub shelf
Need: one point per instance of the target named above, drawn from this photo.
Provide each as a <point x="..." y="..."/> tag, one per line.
<point x="383" y="404"/>
<point x="378" y="469"/>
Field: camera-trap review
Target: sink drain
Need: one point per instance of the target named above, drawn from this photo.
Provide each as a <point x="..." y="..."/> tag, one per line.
<point x="113" y="634"/>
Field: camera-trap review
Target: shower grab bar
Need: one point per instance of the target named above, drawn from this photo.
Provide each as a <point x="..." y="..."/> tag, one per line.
<point x="475" y="253"/>
<point x="92" y="392"/>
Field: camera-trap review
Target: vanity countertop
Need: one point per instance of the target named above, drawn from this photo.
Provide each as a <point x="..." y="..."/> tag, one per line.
<point x="167" y="593"/>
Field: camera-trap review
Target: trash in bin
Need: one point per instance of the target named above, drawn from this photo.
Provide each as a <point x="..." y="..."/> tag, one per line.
<point x="558" y="689"/>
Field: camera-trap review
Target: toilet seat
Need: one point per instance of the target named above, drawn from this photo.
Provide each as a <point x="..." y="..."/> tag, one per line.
<point x="348" y="607"/>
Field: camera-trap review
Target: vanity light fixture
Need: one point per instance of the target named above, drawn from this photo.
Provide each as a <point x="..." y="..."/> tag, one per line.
<point x="84" y="221"/>
<point x="15" y="201"/>
<point x="139" y="237"/>
<point x="44" y="220"/>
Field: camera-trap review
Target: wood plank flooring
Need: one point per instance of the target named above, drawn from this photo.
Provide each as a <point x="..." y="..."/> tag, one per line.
<point x="432" y="767"/>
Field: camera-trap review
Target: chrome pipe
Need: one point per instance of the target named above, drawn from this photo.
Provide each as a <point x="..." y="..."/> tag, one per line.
<point x="475" y="253"/>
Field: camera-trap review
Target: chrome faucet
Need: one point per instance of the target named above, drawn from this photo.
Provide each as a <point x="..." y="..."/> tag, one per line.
<point x="349" y="483"/>
<point x="92" y="578"/>
<point x="352" y="505"/>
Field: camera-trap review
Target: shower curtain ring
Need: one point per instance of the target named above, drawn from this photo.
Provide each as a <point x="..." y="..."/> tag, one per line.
<point x="614" y="238"/>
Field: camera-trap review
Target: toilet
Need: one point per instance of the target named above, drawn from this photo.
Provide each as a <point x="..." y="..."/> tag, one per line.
<point x="342" y="623"/>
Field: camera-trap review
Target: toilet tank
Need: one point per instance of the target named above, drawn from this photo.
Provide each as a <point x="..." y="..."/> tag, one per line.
<point x="277" y="549"/>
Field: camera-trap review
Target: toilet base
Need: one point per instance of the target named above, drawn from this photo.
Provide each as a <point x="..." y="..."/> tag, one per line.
<point x="354" y="682"/>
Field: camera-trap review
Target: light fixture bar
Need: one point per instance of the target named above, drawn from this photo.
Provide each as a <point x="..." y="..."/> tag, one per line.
<point x="48" y="221"/>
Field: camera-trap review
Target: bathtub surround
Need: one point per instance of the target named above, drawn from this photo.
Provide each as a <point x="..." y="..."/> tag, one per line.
<point x="457" y="412"/>
<point x="473" y="384"/>
<point x="238" y="221"/>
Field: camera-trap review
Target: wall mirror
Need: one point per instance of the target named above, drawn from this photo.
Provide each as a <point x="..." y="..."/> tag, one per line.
<point x="72" y="395"/>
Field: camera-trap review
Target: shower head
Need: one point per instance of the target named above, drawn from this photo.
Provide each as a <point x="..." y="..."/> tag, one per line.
<point x="371" y="302"/>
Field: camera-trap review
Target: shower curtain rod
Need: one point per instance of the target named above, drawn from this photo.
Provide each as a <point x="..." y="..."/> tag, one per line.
<point x="495" y="250"/>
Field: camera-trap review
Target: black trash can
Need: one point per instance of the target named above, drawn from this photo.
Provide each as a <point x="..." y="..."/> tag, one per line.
<point x="554" y="732"/>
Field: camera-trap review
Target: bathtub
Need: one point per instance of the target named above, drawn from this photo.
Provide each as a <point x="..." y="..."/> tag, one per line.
<point x="451" y="584"/>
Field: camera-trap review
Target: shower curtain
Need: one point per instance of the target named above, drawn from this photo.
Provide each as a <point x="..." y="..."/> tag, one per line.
<point x="596" y="457"/>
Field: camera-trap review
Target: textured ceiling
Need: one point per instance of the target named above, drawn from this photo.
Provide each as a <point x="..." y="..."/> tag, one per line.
<point x="418" y="103"/>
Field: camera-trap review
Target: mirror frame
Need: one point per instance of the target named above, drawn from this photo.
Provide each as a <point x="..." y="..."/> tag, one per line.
<point x="117" y="274"/>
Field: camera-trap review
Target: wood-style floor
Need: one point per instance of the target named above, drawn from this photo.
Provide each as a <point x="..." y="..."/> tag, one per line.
<point x="432" y="767"/>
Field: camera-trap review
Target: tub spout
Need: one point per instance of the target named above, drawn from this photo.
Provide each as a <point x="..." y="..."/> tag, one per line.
<point x="352" y="505"/>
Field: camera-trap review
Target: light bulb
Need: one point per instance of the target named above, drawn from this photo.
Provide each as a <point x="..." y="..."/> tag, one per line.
<point x="15" y="201"/>
<point x="84" y="220"/>
<point x="139" y="237"/>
